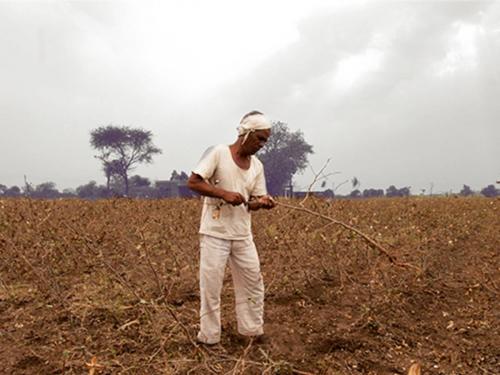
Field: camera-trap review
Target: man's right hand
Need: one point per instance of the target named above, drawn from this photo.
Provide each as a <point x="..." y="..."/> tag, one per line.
<point x="232" y="198"/>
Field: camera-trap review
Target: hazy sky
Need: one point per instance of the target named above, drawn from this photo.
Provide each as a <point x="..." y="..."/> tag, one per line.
<point x="403" y="93"/>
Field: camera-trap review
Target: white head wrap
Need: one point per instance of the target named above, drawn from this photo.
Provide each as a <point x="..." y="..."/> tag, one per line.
<point x="252" y="123"/>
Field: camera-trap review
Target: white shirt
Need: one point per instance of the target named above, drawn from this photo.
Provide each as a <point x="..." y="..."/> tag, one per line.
<point x="218" y="218"/>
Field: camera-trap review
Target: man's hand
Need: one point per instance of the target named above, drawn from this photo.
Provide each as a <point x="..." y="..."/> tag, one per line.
<point x="198" y="184"/>
<point x="232" y="198"/>
<point x="266" y="202"/>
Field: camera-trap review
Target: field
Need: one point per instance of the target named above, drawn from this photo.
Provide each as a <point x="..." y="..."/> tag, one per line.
<point x="111" y="287"/>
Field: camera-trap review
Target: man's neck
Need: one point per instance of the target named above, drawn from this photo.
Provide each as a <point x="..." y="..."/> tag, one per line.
<point x="238" y="150"/>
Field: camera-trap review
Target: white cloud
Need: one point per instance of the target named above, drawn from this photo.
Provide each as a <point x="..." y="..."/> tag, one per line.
<point x="351" y="70"/>
<point x="462" y="53"/>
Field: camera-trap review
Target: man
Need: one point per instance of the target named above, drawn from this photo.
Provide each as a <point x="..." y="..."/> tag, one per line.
<point x="232" y="180"/>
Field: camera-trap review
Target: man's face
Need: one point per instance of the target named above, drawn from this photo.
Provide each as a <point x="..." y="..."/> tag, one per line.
<point x="257" y="140"/>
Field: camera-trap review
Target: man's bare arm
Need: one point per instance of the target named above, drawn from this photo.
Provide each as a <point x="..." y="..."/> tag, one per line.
<point x="198" y="184"/>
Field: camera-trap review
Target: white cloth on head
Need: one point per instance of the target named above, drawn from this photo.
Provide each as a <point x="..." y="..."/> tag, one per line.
<point x="252" y="123"/>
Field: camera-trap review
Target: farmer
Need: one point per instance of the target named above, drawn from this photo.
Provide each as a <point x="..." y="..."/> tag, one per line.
<point x="232" y="180"/>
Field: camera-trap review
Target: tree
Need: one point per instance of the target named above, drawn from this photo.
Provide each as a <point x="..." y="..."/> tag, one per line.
<point x="138" y="181"/>
<point x="284" y="154"/>
<point x="91" y="190"/>
<point x="490" y="191"/>
<point x="329" y="193"/>
<point x="355" y="193"/>
<point x="392" y="191"/>
<point x="3" y="189"/>
<point x="178" y="177"/>
<point x="121" y="149"/>
<point x="28" y="188"/>
<point x="68" y="193"/>
<point x="111" y="169"/>
<point x="13" y="191"/>
<point x="370" y="193"/>
<point x="45" y="190"/>
<point x="174" y="176"/>
<point x="404" y="192"/>
<point x="466" y="191"/>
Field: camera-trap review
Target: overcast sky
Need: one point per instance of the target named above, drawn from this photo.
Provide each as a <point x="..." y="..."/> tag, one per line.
<point x="403" y="93"/>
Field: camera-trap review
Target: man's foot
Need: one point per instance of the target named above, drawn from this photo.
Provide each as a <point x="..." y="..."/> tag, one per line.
<point x="204" y="340"/>
<point x="260" y="339"/>
<point x="209" y="344"/>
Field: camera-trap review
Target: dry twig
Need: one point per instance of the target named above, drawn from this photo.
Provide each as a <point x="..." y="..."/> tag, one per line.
<point x="414" y="369"/>
<point x="146" y="252"/>
<point x="93" y="365"/>
<point x="371" y="241"/>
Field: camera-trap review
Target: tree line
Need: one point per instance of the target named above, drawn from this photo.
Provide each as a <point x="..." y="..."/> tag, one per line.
<point x="138" y="186"/>
<point x="121" y="149"/>
<point x="142" y="187"/>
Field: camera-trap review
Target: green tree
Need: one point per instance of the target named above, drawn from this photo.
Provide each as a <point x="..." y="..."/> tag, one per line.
<point x="121" y="149"/>
<point x="284" y="154"/>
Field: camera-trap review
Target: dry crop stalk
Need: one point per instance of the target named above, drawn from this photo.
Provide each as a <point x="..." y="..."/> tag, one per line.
<point x="241" y="360"/>
<point x="414" y="369"/>
<point x="371" y="241"/>
<point x="93" y="365"/>
<point x="53" y="287"/>
<point x="148" y="259"/>
<point x="127" y="285"/>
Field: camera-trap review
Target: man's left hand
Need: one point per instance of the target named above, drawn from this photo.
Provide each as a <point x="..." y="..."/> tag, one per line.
<point x="266" y="202"/>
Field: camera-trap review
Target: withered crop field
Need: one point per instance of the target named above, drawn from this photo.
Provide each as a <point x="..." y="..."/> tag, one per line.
<point x="111" y="287"/>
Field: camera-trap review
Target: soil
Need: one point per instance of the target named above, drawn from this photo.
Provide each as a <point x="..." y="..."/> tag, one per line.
<point x="116" y="280"/>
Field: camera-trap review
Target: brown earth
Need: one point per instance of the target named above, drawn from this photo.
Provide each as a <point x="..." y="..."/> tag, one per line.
<point x="117" y="280"/>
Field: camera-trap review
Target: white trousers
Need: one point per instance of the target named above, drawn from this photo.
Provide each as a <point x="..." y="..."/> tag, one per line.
<point x="248" y="286"/>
